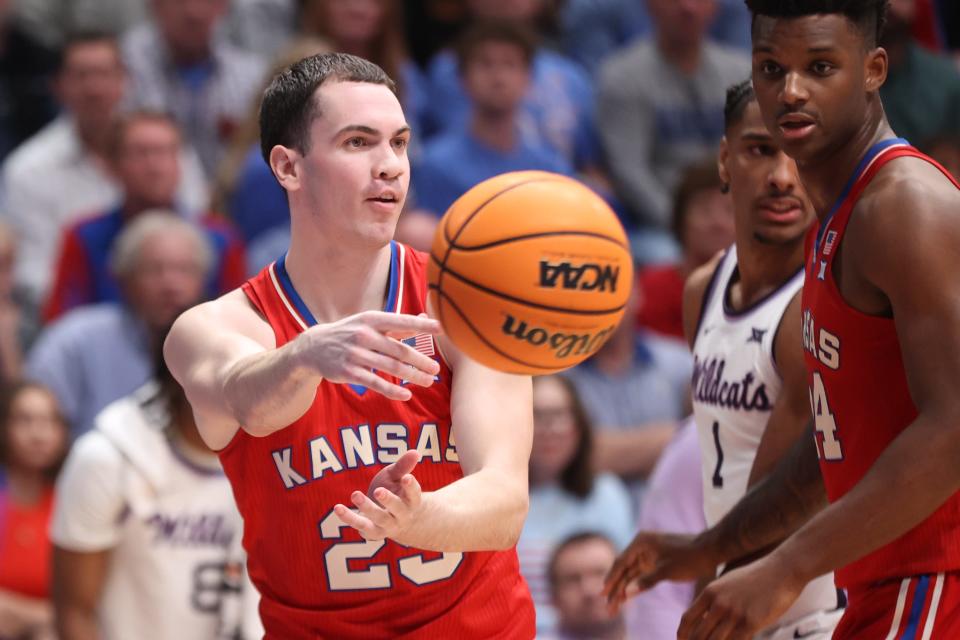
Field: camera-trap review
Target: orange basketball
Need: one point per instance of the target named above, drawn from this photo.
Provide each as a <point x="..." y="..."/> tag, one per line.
<point x="529" y="272"/>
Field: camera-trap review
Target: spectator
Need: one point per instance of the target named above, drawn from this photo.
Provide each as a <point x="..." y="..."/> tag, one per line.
<point x="577" y="569"/>
<point x="702" y="223"/>
<point x="566" y="496"/>
<point x="921" y="95"/>
<point x="558" y="106"/>
<point x="371" y="29"/>
<point x="245" y="186"/>
<point x="144" y="154"/>
<point x="674" y="502"/>
<point x="182" y="65"/>
<point x="144" y="524"/>
<point x="262" y="27"/>
<point x="635" y="389"/>
<point x="494" y="61"/>
<point x="33" y="443"/>
<point x="95" y="355"/>
<point x="660" y="108"/>
<point x="61" y="173"/>
<point x="52" y="21"/>
<point x="26" y="74"/>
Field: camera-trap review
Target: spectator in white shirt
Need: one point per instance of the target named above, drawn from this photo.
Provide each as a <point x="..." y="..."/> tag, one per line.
<point x="60" y="174"/>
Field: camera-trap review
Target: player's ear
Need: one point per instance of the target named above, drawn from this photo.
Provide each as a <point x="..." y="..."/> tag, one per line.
<point x="283" y="162"/>
<point x="722" y="158"/>
<point x="875" y="71"/>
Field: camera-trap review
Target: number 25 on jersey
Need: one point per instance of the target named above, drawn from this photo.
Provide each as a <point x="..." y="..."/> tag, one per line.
<point x="824" y="422"/>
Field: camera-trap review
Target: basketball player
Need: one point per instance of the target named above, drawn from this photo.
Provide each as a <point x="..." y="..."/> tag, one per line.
<point x="299" y="383"/>
<point x="742" y="316"/>
<point x="881" y="331"/>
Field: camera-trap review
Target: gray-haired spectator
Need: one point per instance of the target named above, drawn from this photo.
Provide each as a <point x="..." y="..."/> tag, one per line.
<point x="60" y="174"/>
<point x="576" y="571"/>
<point x="660" y="106"/>
<point x="97" y="354"/>
<point x="182" y="64"/>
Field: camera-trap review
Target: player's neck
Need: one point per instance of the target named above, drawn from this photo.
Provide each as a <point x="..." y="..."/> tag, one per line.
<point x="334" y="280"/>
<point x="763" y="268"/>
<point x="824" y="177"/>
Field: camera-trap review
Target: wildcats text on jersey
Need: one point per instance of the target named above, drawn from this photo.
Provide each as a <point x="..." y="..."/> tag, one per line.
<point x="359" y="446"/>
<point x="710" y="387"/>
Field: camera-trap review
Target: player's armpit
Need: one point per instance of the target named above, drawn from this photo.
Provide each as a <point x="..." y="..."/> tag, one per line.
<point x="694" y="292"/>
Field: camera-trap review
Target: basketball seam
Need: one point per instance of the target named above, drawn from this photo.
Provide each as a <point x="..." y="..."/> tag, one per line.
<point x="492" y="346"/>
<point x="528" y="303"/>
<point x="529" y="236"/>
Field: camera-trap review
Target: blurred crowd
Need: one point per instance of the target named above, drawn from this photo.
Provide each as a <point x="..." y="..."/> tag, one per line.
<point x="132" y="187"/>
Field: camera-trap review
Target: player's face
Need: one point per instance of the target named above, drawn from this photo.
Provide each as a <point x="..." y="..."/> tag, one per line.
<point x="770" y="204"/>
<point x="355" y="174"/>
<point x="578" y="585"/>
<point x="36" y="435"/>
<point x="810" y="81"/>
<point x="555" y="438"/>
<point x="148" y="162"/>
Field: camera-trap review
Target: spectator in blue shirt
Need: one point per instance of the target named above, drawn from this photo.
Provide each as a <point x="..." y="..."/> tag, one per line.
<point x="494" y="62"/>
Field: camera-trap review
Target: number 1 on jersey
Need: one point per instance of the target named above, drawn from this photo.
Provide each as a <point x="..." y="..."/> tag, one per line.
<point x="824" y="422"/>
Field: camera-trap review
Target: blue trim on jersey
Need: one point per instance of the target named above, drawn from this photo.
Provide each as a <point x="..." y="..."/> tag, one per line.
<point x="393" y="287"/>
<point x="919" y="599"/>
<point x="868" y="157"/>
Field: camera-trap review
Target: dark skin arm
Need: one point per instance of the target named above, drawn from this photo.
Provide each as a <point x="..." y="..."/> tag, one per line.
<point x="897" y="493"/>
<point x="78" y="580"/>
<point x="766" y="515"/>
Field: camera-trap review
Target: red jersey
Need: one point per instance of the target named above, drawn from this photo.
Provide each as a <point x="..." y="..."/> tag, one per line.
<point x="317" y="577"/>
<point x="859" y="394"/>
<point x="25" y="549"/>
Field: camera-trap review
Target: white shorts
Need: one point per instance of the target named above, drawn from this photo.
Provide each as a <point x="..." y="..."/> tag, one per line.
<point x="816" y="626"/>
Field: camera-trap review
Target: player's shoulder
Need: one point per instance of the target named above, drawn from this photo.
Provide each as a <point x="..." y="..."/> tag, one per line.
<point x="913" y="186"/>
<point x="232" y="311"/>
<point x="695" y="291"/>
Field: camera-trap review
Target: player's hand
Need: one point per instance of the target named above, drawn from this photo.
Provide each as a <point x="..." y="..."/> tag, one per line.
<point x="349" y="350"/>
<point x="390" y="504"/>
<point x="653" y="557"/>
<point x="739" y="604"/>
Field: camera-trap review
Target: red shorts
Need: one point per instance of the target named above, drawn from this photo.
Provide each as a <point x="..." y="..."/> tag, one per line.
<point x="919" y="608"/>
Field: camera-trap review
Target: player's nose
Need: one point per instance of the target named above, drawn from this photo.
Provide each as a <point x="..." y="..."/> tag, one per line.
<point x="793" y="92"/>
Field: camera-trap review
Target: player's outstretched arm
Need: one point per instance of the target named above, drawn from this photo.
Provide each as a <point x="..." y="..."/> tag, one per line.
<point x="903" y="245"/>
<point x="492" y="416"/>
<point x="225" y="356"/>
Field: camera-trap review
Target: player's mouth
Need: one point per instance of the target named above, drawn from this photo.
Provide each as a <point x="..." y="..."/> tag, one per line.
<point x="796" y="126"/>
<point x="780" y="210"/>
<point x="385" y="200"/>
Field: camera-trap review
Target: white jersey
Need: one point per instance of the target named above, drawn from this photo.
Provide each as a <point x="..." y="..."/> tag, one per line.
<point x="735" y="384"/>
<point x="169" y="522"/>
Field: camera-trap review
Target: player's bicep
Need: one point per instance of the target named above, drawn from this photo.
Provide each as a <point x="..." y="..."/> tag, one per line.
<point x="203" y="346"/>
<point x="492" y="415"/>
<point x="791" y="410"/>
<point x="914" y="262"/>
<point x="694" y="292"/>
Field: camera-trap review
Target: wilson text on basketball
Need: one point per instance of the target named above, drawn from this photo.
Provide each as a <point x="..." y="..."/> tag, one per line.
<point x="563" y="344"/>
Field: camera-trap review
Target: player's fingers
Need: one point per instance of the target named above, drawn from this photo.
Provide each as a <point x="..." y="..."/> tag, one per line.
<point x="405" y="353"/>
<point x="362" y="524"/>
<point x="402" y="323"/>
<point x="376" y="514"/>
<point x="613" y="584"/>
<point x="411" y="492"/>
<point x="372" y="381"/>
<point x="404" y="465"/>
<point x="402" y="370"/>
<point x="390" y="501"/>
<point x="691" y="619"/>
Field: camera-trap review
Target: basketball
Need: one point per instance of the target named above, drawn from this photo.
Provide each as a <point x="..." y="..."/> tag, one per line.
<point x="529" y="272"/>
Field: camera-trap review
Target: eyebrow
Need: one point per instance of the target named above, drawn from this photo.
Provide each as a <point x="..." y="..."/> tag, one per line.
<point x="362" y="128"/>
<point x="762" y="48"/>
<point x="761" y="137"/>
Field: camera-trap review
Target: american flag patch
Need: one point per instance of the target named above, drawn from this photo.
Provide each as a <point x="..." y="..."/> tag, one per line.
<point x="422" y="342"/>
<point x="828" y="242"/>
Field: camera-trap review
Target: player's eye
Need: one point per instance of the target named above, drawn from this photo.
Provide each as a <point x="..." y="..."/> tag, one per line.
<point x="761" y="150"/>
<point x="356" y="142"/>
<point x="769" y="68"/>
<point x="822" y="68"/>
<point x="400" y="143"/>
